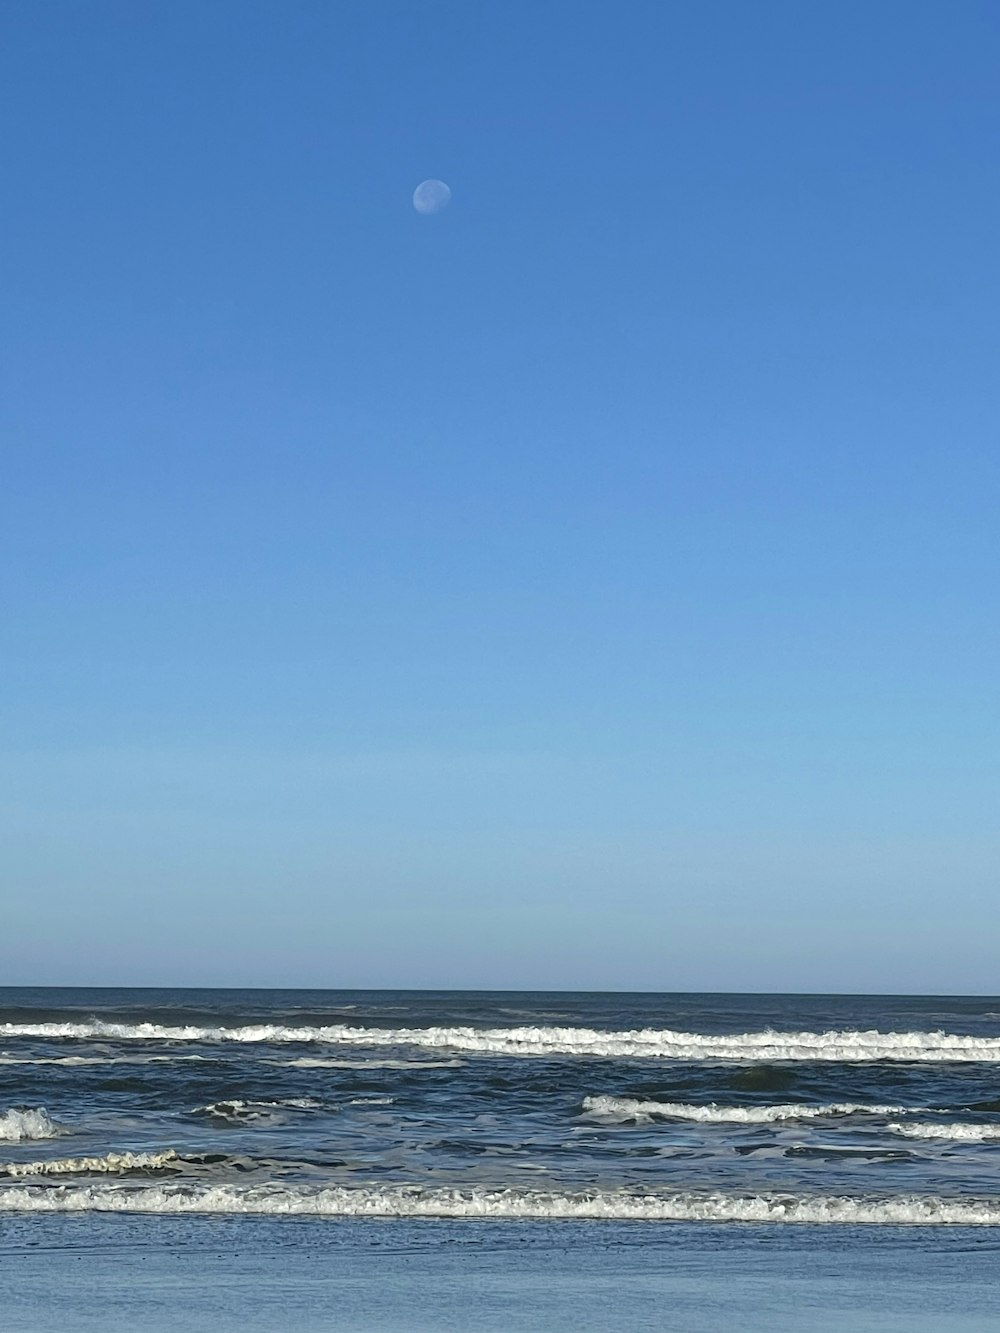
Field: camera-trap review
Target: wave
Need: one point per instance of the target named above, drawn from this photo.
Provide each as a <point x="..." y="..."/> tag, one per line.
<point x="240" y="1112"/>
<point x="658" y="1043"/>
<point x="23" y="1122"/>
<point x="411" y="1202"/>
<point x="111" y="1163"/>
<point x="958" y="1132"/>
<point x="618" y="1110"/>
<point x="317" y="1062"/>
<point x="76" y="1060"/>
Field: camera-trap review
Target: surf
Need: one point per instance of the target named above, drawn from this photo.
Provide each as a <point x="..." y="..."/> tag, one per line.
<point x="627" y="1110"/>
<point x="403" y="1202"/>
<point x="841" y="1046"/>
<point x="25" y="1122"/>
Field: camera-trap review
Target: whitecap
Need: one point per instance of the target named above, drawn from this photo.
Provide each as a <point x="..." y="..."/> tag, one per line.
<point x="414" y="1202"/>
<point x="658" y="1043"/>
<point x="240" y="1111"/>
<point x="110" y="1163"/>
<point x="629" y="1109"/>
<point x="956" y="1132"/>
<point x="24" y="1122"/>
<point x="317" y="1062"/>
<point x="77" y="1060"/>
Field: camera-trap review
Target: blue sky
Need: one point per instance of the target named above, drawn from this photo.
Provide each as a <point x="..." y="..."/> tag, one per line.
<point x="593" y="585"/>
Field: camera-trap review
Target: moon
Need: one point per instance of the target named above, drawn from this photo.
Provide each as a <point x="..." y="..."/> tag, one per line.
<point x="431" y="197"/>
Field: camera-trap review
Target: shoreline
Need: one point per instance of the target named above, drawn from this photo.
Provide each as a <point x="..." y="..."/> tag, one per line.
<point x="76" y="1274"/>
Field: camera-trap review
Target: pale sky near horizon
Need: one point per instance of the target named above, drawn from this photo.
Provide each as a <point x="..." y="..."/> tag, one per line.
<point x="591" y="585"/>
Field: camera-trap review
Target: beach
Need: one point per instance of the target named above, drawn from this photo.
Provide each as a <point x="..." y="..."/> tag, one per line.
<point x="383" y="1160"/>
<point x="251" y="1275"/>
<point x="498" y="728"/>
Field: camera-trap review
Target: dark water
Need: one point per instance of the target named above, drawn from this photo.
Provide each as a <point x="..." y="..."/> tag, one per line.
<point x="779" y="1109"/>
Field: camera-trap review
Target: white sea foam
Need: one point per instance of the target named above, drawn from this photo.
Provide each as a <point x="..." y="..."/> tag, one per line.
<point x="241" y="1111"/>
<point x="75" y="1060"/>
<point x="23" y="1122"/>
<point x="658" y="1043"/>
<point x="957" y="1132"/>
<point x="903" y="1210"/>
<point x="317" y="1062"/>
<point x="624" y="1109"/>
<point x="111" y="1164"/>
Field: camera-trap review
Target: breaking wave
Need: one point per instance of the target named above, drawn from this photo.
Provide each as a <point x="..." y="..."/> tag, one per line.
<point x="76" y="1060"/>
<point x="904" y="1210"/>
<point x="317" y="1062"/>
<point x="659" y="1043"/>
<point x="113" y="1163"/>
<point x="617" y="1110"/>
<point x="23" y="1122"/>
<point x="240" y="1112"/>
<point x="955" y="1132"/>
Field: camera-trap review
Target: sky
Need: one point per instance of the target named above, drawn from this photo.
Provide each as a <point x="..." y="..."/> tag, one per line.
<point x="593" y="585"/>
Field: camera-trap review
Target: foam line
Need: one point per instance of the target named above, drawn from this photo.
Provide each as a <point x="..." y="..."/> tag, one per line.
<point x="821" y="1210"/>
<point x="627" y="1109"/>
<point x="238" y="1111"/>
<point x="956" y="1132"/>
<point x="659" y="1043"/>
<point x="111" y="1163"/>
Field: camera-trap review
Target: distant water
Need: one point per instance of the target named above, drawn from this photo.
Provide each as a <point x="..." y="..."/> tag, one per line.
<point x="654" y="1108"/>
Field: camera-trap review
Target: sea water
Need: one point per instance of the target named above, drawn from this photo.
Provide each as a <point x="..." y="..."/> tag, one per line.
<point x="552" y="1158"/>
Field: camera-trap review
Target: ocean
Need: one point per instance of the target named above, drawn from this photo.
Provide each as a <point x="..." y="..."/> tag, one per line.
<point x="541" y="1160"/>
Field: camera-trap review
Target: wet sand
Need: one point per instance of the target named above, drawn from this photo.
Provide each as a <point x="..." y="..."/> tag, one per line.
<point x="246" y="1275"/>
